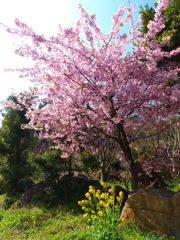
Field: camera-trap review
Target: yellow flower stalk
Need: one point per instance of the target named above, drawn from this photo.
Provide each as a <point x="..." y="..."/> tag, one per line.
<point x="101" y="205"/>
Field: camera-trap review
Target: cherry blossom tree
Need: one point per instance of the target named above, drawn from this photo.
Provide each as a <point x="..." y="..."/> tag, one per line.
<point x="90" y="86"/>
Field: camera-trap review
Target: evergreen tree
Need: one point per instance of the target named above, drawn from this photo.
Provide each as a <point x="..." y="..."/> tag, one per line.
<point x="15" y="143"/>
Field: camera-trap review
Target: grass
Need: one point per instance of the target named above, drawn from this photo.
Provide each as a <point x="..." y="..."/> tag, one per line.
<point x="37" y="224"/>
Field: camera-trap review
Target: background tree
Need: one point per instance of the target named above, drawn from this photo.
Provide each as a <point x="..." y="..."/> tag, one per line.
<point x="15" y="143"/>
<point x="89" y="163"/>
<point x="107" y="154"/>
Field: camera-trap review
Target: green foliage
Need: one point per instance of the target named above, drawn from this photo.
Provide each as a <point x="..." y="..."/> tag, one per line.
<point x="172" y="15"/>
<point x="175" y="186"/>
<point x="89" y="161"/>
<point x="172" y="25"/>
<point x="23" y="220"/>
<point x="15" y="143"/>
<point x="49" y="165"/>
<point x="147" y="15"/>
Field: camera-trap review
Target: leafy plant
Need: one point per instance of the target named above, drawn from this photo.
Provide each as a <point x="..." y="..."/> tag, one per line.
<point x="102" y="212"/>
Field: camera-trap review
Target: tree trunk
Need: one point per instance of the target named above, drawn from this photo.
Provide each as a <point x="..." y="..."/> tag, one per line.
<point x="124" y="144"/>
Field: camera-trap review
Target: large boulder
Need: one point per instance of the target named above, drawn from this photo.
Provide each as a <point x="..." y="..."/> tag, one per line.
<point x="154" y="209"/>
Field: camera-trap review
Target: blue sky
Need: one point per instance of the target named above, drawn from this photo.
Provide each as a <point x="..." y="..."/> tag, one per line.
<point x="104" y="9"/>
<point x="44" y="16"/>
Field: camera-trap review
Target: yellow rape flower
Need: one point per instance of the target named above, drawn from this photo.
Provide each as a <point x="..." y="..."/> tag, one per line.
<point x="100" y="213"/>
<point x="83" y="202"/>
<point x="85" y="209"/>
<point x="97" y="195"/>
<point x="103" y="184"/>
<point x="87" y="195"/>
<point x="92" y="189"/>
<point x="85" y="215"/>
<point x="79" y="203"/>
<point x="111" y="197"/>
<point x="103" y="196"/>
<point x="123" y="221"/>
<point x="111" y="190"/>
<point x="107" y="205"/>
<point x="111" y="201"/>
<point x="102" y="203"/>
<point x="106" y="195"/>
<point x="119" y="199"/>
<point x="121" y="194"/>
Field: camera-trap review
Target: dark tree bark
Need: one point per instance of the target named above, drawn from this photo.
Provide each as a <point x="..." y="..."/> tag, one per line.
<point x="124" y="144"/>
